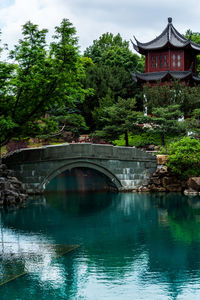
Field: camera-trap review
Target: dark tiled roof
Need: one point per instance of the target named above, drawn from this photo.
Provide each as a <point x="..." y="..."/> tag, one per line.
<point x="169" y="35"/>
<point x="156" y="76"/>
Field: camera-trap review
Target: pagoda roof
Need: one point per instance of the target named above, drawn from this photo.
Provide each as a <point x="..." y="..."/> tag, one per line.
<point x="169" y="36"/>
<point x="159" y="76"/>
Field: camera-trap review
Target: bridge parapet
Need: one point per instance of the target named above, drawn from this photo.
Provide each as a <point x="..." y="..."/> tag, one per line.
<point x="126" y="167"/>
<point x="65" y="151"/>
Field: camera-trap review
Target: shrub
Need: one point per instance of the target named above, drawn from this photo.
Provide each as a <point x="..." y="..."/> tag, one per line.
<point x="184" y="157"/>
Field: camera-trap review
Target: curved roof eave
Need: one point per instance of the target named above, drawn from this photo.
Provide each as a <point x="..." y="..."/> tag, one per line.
<point x="169" y="36"/>
<point x="157" y="76"/>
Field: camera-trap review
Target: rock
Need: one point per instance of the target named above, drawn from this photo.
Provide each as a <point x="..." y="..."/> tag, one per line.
<point x="156" y="180"/>
<point x="174" y="188"/>
<point x="158" y="189"/>
<point x="190" y="192"/>
<point x="194" y="183"/>
<point x="3" y="167"/>
<point x="12" y="191"/>
<point x="4" y="185"/>
<point x="23" y="197"/>
<point x="161" y="159"/>
<point x="150" y="147"/>
<point x="168" y="180"/>
<point x="164" y="181"/>
<point x="2" y="179"/>
<point x="14" y="180"/>
<point x="163" y="170"/>
<point x="10" y="199"/>
<point x="144" y="189"/>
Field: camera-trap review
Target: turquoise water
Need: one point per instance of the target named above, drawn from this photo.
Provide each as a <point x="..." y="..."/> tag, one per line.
<point x="127" y="246"/>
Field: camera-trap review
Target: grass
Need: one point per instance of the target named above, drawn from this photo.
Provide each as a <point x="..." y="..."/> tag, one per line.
<point x="140" y="140"/>
<point x="3" y="151"/>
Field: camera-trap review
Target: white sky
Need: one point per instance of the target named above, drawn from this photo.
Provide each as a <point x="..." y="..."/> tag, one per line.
<point x="143" y="18"/>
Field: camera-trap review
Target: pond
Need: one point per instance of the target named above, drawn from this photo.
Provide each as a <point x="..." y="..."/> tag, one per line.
<point x="101" y="246"/>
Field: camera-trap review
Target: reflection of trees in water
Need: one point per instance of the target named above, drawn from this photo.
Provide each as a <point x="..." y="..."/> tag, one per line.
<point x="178" y="255"/>
<point x="120" y="233"/>
<point x="183" y="216"/>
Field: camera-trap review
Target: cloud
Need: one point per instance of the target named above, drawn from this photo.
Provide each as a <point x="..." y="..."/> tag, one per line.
<point x="45" y="13"/>
<point x="143" y="18"/>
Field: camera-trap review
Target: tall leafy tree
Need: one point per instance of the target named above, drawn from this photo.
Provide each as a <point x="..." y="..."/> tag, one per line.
<point x="6" y="74"/>
<point x="44" y="77"/>
<point x="112" y="62"/>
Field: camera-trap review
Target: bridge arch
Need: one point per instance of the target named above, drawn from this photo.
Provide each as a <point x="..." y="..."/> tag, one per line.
<point x="79" y="164"/>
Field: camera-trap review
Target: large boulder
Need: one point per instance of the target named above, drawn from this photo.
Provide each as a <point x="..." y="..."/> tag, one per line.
<point x="11" y="189"/>
<point x="193" y="183"/>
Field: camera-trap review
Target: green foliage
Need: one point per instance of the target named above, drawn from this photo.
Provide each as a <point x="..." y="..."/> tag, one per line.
<point x="42" y="78"/>
<point x="164" y="120"/>
<point x="142" y="139"/>
<point x="6" y="124"/>
<point x="74" y="122"/>
<point x="110" y="73"/>
<point x="118" y="118"/>
<point x="184" y="157"/>
<point x="112" y="51"/>
<point x="193" y="124"/>
<point x="163" y="95"/>
<point x="195" y="37"/>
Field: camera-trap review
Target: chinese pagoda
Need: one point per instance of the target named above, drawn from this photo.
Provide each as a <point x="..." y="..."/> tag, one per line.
<point x="168" y="56"/>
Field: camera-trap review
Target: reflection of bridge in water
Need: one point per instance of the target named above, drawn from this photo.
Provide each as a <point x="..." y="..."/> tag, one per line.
<point x="125" y="167"/>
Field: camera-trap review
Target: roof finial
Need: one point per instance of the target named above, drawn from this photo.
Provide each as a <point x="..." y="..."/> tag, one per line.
<point x="169" y="20"/>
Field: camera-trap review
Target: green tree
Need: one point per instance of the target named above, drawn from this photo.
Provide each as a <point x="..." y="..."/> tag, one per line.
<point x="44" y="77"/>
<point x="163" y="95"/>
<point x="110" y="73"/>
<point x="164" y="120"/>
<point x="117" y="119"/>
<point x="193" y="124"/>
<point x="195" y="37"/>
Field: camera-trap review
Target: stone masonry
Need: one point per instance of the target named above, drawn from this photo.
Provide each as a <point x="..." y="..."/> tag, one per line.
<point x="127" y="167"/>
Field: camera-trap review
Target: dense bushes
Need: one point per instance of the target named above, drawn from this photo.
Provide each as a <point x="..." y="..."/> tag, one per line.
<point x="184" y="157"/>
<point x="145" y="138"/>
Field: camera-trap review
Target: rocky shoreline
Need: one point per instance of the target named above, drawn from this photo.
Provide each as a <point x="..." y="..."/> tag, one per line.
<point x="163" y="180"/>
<point x="12" y="191"/>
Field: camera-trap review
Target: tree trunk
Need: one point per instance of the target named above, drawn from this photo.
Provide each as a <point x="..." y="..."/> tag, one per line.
<point x="126" y="138"/>
<point x="162" y="138"/>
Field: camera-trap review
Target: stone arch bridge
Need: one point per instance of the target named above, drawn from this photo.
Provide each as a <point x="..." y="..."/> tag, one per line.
<point x="126" y="167"/>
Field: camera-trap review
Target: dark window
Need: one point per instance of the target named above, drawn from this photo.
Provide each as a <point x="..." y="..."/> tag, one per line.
<point x="165" y="61"/>
<point x="156" y="62"/>
<point x="179" y="61"/>
<point x="152" y="62"/>
<point x="161" y="62"/>
<point x="173" y="60"/>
